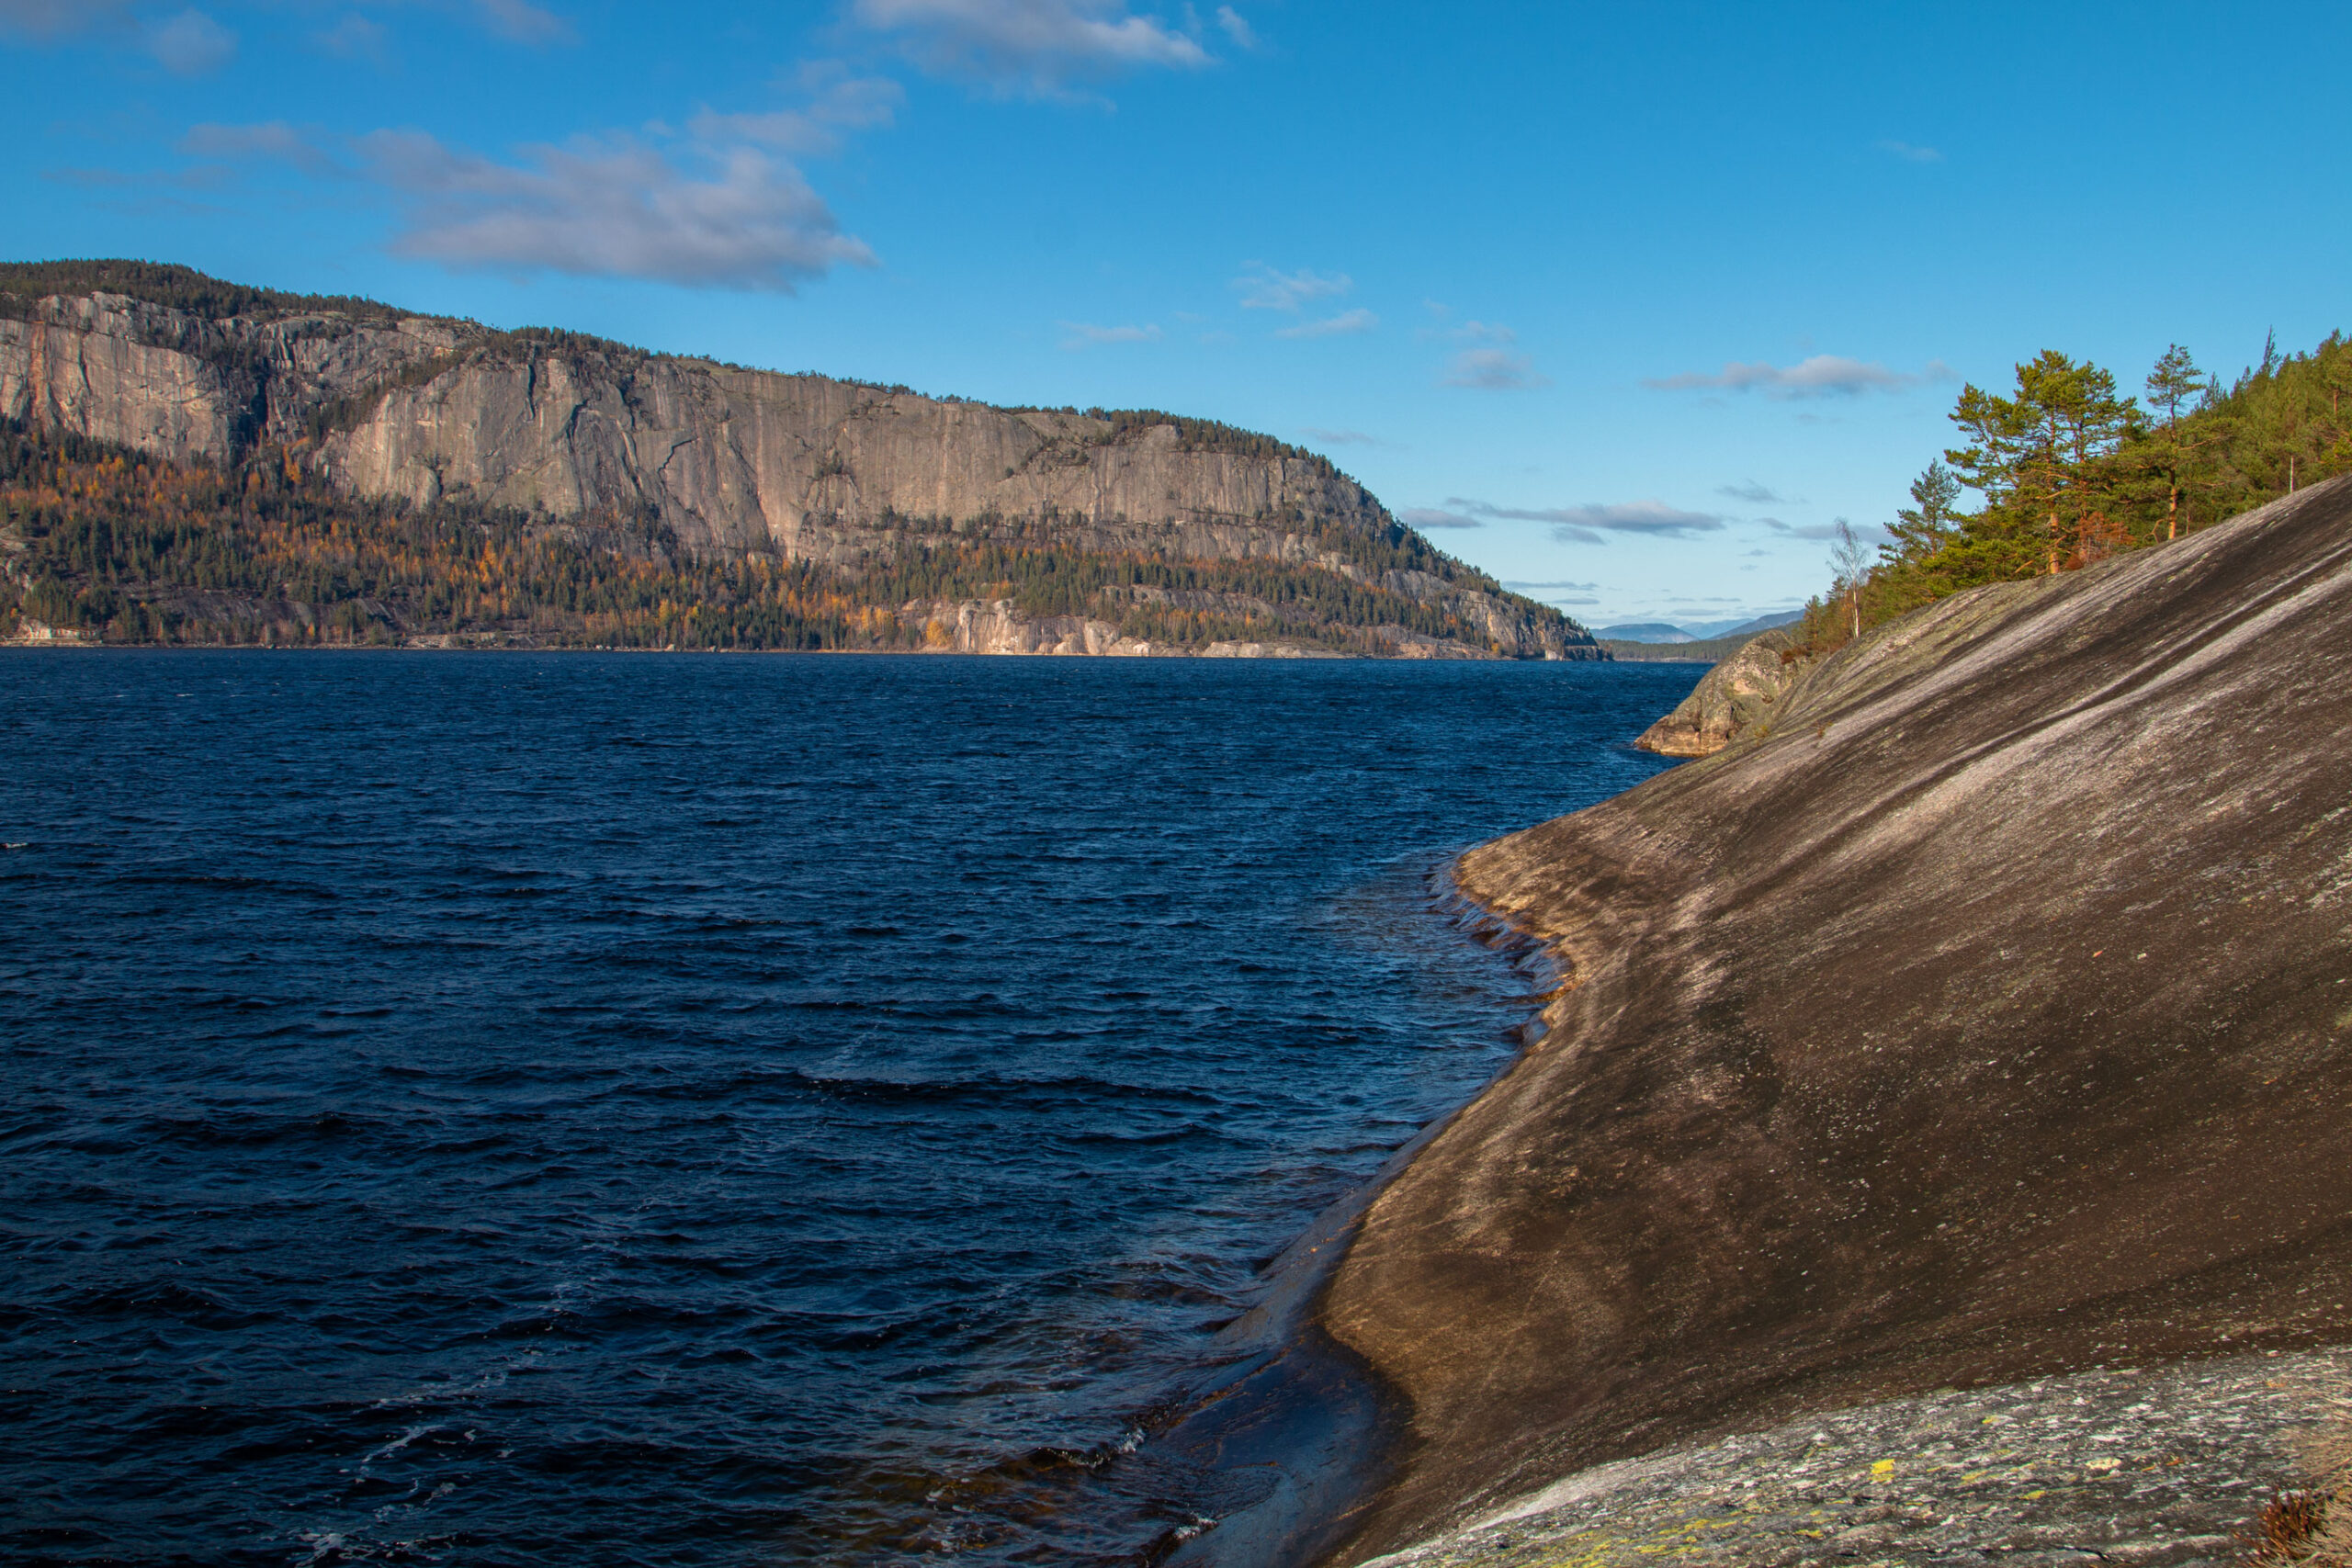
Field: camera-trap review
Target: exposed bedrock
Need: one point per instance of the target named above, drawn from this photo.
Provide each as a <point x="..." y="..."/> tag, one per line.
<point x="1738" y="696"/>
<point x="731" y="460"/>
<point x="1989" y="1017"/>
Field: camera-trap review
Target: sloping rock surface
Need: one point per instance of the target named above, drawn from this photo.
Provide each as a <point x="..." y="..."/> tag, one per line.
<point x="1990" y="1018"/>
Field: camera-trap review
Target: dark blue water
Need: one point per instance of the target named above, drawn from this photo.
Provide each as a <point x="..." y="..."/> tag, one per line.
<point x="529" y="1109"/>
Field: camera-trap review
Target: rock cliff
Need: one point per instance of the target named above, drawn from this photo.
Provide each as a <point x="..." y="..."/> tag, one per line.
<point x="1737" y="696"/>
<point x="731" y="462"/>
<point x="1989" y="1017"/>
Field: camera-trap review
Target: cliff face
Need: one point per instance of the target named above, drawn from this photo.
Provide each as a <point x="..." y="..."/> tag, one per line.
<point x="1989" y="1017"/>
<point x="731" y="461"/>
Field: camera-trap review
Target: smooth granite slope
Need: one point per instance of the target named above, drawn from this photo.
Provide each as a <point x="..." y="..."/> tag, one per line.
<point x="1989" y="1019"/>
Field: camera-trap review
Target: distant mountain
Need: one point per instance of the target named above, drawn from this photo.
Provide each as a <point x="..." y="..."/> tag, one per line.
<point x="1746" y="629"/>
<point x="193" y="460"/>
<point x="1695" y="631"/>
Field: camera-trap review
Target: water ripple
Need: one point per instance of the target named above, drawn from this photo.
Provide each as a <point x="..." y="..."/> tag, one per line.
<point x="512" y="1109"/>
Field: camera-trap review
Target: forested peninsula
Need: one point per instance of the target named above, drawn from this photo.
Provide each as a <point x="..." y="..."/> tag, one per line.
<point x="189" y="461"/>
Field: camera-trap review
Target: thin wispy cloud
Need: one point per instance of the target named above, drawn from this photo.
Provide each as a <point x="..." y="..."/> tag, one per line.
<point x="524" y="23"/>
<point x="303" y="149"/>
<point x="1086" y="334"/>
<point x="47" y="19"/>
<point x="1340" y="437"/>
<point x="696" y="214"/>
<point x="1426" y="517"/>
<point x="1490" y="363"/>
<point x="1751" y="492"/>
<point x="1035" y="46"/>
<point x="835" y="102"/>
<point x="1911" y="154"/>
<point x="1590" y="524"/>
<point x="191" y="44"/>
<point x="191" y="41"/>
<point x="354" y="37"/>
<point x="186" y="42"/>
<point x="1263" y="287"/>
<point x="1870" y="534"/>
<point x="1242" y="34"/>
<point x="1494" y="370"/>
<point x="1345" y="324"/>
<point x="1822" y="376"/>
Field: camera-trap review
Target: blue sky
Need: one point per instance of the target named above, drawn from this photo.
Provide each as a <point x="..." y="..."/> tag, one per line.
<point x="1623" y="303"/>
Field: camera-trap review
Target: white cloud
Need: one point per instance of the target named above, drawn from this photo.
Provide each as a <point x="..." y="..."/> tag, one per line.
<point x="1340" y="437"/>
<point x="1029" y="46"/>
<point x="524" y="23"/>
<point x="1870" y="533"/>
<point x="1430" y="517"/>
<point x="613" y="207"/>
<point x="835" y="102"/>
<point x="1264" y="288"/>
<point x="191" y="44"/>
<point x="1242" y="34"/>
<point x="53" y="19"/>
<point x="1342" y="325"/>
<point x="1911" y="154"/>
<point x="273" y="139"/>
<point x="1496" y="367"/>
<point x="354" y="38"/>
<point x="1585" y="524"/>
<point x="1823" y="375"/>
<point x="1494" y="370"/>
<point x="696" y="214"/>
<point x="187" y="43"/>
<point x="1085" y="335"/>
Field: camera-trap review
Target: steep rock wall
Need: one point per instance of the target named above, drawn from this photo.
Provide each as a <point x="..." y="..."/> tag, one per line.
<point x="732" y="461"/>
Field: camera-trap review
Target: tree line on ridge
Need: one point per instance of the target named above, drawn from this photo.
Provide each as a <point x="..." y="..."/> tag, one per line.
<point x="2069" y="470"/>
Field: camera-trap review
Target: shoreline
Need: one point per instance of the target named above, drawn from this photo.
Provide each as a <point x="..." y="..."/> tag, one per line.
<point x="1286" y="1399"/>
<point x="1272" y="653"/>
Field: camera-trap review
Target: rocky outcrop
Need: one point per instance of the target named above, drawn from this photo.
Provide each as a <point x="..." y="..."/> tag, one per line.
<point x="1736" y="698"/>
<point x="1989" y="1019"/>
<point x="730" y="461"/>
<point x="2158" y="1469"/>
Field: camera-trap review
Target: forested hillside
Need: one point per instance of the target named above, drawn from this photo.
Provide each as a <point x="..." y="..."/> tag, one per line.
<point x="2068" y="470"/>
<point x="189" y="459"/>
<point x="100" y="543"/>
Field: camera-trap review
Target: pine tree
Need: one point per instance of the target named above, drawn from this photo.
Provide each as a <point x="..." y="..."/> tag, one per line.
<point x="2039" y="458"/>
<point x="2174" y="387"/>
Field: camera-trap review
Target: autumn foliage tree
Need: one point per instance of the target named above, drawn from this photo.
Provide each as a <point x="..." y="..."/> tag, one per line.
<point x="2069" y="471"/>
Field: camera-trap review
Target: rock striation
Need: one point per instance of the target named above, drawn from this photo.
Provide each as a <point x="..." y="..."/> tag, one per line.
<point x="731" y="462"/>
<point x="1988" y="1019"/>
